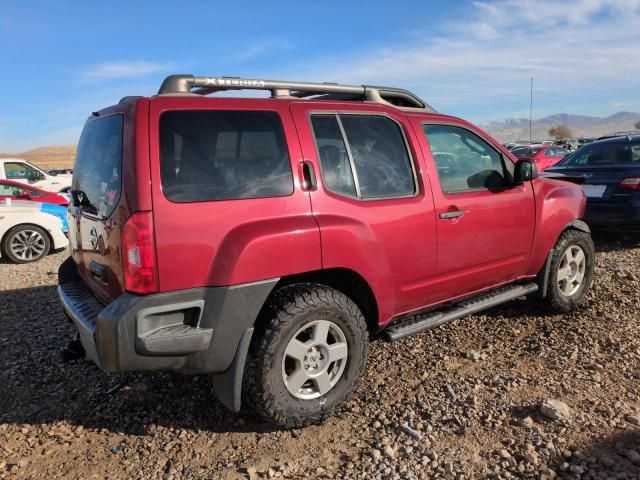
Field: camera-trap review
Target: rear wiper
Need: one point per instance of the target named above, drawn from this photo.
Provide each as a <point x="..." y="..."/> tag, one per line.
<point x="81" y="200"/>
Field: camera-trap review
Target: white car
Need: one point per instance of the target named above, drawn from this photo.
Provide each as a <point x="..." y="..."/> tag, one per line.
<point x="27" y="234"/>
<point x="25" y="172"/>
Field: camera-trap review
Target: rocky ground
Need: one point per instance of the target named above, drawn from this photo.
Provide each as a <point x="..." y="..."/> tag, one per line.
<point x="513" y="393"/>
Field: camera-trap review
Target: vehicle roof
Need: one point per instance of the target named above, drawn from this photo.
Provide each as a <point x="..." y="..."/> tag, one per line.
<point x="633" y="138"/>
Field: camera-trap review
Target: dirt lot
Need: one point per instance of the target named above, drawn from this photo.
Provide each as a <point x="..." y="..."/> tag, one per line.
<point x="469" y="393"/>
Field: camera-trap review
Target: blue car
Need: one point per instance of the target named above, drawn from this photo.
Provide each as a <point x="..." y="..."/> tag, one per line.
<point x="609" y="171"/>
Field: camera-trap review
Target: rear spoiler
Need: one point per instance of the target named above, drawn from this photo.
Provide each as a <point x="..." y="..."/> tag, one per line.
<point x="577" y="179"/>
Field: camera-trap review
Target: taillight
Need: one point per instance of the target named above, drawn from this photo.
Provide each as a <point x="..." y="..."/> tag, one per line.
<point x="631" y="183"/>
<point x="139" y="254"/>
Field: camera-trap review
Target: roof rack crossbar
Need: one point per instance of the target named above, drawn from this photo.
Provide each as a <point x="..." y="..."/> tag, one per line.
<point x="190" y="84"/>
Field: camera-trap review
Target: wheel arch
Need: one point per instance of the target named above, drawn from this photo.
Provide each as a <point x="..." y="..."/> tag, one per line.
<point x="346" y="281"/>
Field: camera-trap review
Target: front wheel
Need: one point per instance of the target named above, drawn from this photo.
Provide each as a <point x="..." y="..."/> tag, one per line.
<point x="571" y="271"/>
<point x="307" y="358"/>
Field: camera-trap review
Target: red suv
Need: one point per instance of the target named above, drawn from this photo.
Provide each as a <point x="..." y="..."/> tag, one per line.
<point x="264" y="240"/>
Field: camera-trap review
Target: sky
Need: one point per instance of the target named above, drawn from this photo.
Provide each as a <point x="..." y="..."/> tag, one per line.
<point x="61" y="59"/>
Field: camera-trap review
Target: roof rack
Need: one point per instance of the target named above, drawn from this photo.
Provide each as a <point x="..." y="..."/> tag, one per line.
<point x="628" y="134"/>
<point x="189" y="84"/>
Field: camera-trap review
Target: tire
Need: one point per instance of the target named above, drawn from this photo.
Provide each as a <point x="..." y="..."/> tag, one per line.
<point x="26" y="243"/>
<point x="277" y="386"/>
<point x="569" y="281"/>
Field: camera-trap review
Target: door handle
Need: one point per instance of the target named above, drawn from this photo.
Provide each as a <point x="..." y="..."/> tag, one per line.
<point x="450" y="215"/>
<point x="309" y="176"/>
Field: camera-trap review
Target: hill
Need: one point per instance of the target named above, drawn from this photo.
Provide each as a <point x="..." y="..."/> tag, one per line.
<point x="47" y="157"/>
<point x="581" y="125"/>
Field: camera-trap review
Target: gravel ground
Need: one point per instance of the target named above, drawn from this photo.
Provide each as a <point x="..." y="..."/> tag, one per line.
<point x="514" y="393"/>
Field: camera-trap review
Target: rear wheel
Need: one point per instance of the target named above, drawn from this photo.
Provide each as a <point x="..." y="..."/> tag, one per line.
<point x="26" y="243"/>
<point x="571" y="271"/>
<point x="307" y="358"/>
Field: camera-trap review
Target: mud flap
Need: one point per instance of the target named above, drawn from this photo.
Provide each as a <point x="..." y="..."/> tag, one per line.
<point x="227" y="386"/>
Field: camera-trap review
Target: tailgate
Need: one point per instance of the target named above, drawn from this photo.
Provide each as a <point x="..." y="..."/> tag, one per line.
<point x="98" y="209"/>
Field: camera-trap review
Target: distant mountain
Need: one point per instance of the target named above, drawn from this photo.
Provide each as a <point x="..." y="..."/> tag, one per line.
<point x="581" y="125"/>
<point x="47" y="157"/>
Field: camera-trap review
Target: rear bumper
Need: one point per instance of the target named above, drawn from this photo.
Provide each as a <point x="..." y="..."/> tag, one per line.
<point x="617" y="215"/>
<point x="200" y="330"/>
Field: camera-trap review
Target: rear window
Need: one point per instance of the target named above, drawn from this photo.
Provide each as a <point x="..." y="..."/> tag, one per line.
<point x="223" y="155"/>
<point x="525" y="151"/>
<point x="605" y="154"/>
<point x="98" y="168"/>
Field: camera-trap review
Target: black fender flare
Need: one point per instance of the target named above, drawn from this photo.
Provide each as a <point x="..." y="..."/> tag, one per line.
<point x="577" y="224"/>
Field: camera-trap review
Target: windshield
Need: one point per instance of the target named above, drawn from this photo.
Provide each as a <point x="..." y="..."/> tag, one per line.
<point x="604" y="154"/>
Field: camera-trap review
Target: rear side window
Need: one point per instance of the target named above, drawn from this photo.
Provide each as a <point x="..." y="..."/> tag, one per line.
<point x="223" y="155"/>
<point x="363" y="155"/>
<point x="97" y="172"/>
<point x="605" y="154"/>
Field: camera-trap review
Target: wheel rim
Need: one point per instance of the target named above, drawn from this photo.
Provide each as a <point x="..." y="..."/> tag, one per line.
<point x="571" y="270"/>
<point x="27" y="245"/>
<point x="314" y="360"/>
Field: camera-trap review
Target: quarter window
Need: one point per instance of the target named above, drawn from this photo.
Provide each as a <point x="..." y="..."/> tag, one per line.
<point x="464" y="160"/>
<point x="363" y="155"/>
<point x="223" y="155"/>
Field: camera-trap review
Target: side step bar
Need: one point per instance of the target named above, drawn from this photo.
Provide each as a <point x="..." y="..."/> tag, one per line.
<point x="426" y="321"/>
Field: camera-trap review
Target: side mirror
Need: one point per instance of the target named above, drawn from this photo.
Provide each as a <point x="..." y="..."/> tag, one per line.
<point x="25" y="194"/>
<point x="525" y="171"/>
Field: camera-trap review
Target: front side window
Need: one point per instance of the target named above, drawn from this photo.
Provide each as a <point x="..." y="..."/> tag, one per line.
<point x="7" y="190"/>
<point x="210" y="155"/>
<point x="464" y="161"/>
<point x="363" y="155"/>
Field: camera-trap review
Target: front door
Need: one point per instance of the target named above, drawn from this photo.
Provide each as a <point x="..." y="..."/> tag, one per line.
<point x="485" y="224"/>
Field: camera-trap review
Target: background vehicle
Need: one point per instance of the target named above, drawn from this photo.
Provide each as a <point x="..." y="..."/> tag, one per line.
<point x="29" y="174"/>
<point x="610" y="172"/>
<point x="263" y="240"/>
<point x="568" y="144"/>
<point x="27" y="233"/>
<point x="60" y="171"/>
<point x="19" y="191"/>
<point x="543" y="156"/>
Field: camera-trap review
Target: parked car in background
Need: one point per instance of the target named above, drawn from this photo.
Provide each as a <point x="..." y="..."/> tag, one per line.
<point x="568" y="144"/>
<point x="543" y="156"/>
<point x="609" y="171"/>
<point x="20" y="191"/>
<point x="60" y="171"/>
<point x="31" y="175"/>
<point x="263" y="240"/>
<point x="30" y="230"/>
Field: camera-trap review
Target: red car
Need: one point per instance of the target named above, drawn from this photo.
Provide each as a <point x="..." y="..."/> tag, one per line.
<point x="543" y="156"/>
<point x="265" y="240"/>
<point x="20" y="191"/>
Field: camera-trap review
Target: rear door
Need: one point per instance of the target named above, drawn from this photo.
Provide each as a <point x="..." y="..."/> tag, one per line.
<point x="485" y="225"/>
<point x="373" y="205"/>
<point x="228" y="201"/>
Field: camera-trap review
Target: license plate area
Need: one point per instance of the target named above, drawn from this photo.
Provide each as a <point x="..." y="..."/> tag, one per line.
<point x="594" y="191"/>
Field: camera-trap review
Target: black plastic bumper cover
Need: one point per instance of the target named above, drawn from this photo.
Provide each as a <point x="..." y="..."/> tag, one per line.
<point x="199" y="330"/>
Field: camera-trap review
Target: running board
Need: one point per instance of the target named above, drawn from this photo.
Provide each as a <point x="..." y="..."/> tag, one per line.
<point x="426" y="321"/>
